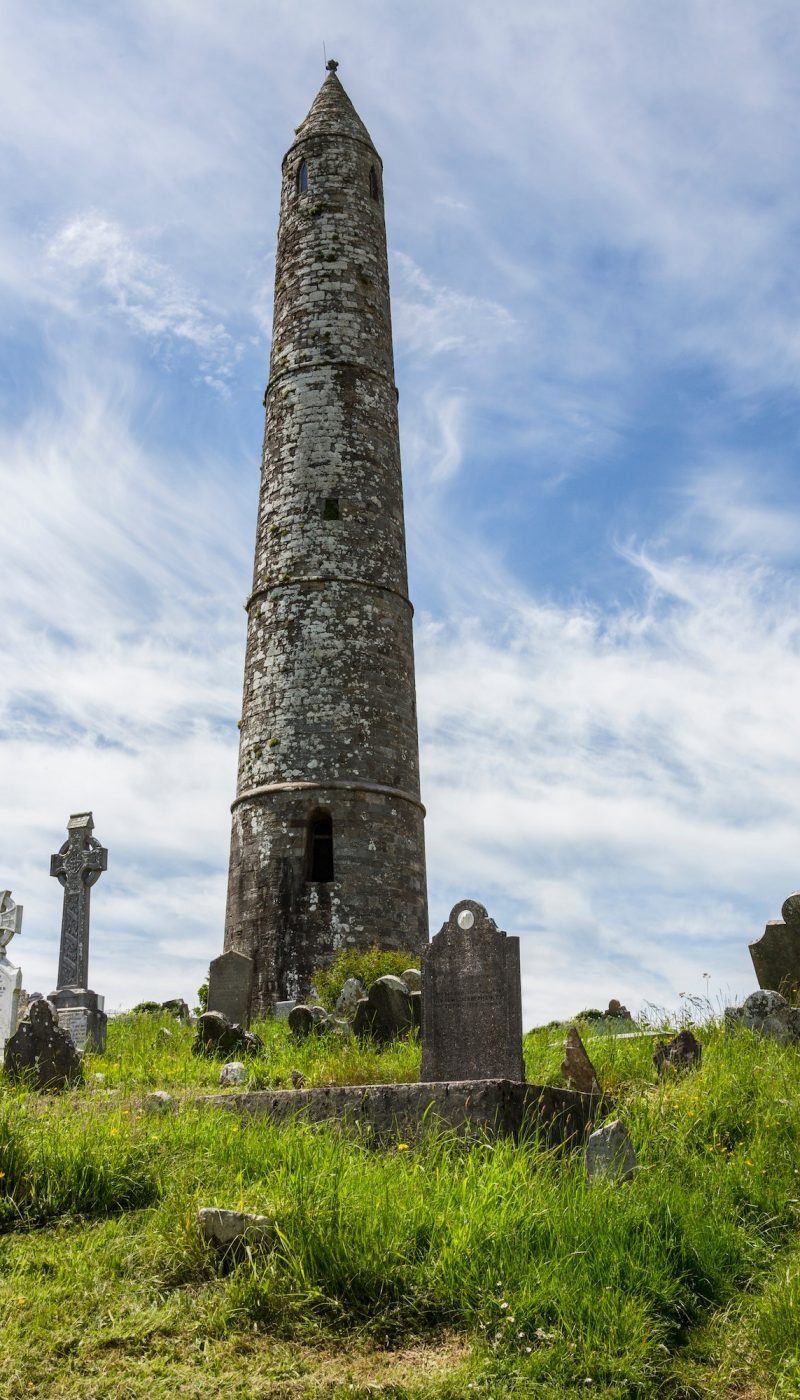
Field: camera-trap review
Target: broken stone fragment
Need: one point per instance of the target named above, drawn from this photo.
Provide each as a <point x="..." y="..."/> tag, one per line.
<point x="158" y="1102"/>
<point x="682" y="1052"/>
<point x="576" y="1067"/>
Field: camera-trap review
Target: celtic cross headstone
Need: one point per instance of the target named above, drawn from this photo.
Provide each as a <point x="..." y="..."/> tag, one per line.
<point x="77" y="866"/>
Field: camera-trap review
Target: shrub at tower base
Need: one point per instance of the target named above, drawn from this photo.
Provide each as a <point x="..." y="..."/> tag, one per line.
<point x="366" y="966"/>
<point x="423" y="1269"/>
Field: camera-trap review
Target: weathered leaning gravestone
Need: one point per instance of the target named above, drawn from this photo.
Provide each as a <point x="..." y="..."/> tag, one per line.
<point x="230" y="977"/>
<point x="77" y="866"/>
<point x="471" y="1000"/>
<point x="776" y="954"/>
<point x="10" y="976"/>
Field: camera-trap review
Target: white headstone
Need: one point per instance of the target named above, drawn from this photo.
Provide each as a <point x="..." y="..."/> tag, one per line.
<point x="10" y="976"/>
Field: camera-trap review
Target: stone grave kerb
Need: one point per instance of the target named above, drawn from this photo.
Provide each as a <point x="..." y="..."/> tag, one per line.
<point x="471" y="1000"/>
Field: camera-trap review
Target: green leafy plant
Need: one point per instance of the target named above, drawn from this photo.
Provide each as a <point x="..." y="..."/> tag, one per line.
<point x="366" y="966"/>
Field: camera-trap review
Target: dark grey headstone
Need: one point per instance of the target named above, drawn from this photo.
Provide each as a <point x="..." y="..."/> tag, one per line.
<point x="230" y="978"/>
<point x="301" y="1022"/>
<point x="471" y="1000"/>
<point x="390" y="1000"/>
<point x="41" y="1053"/>
<point x="776" y="954"/>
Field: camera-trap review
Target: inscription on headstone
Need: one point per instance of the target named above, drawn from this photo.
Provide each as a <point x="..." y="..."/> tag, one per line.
<point x="77" y="866"/>
<point x="776" y="954"/>
<point x="471" y="1000"/>
<point x="10" y="976"/>
<point x="230" y="978"/>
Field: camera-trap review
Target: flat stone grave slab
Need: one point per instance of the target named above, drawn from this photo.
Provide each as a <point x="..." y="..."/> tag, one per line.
<point x="472" y="1108"/>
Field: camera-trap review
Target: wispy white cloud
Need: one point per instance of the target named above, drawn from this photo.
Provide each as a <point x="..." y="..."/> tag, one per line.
<point x="145" y="293"/>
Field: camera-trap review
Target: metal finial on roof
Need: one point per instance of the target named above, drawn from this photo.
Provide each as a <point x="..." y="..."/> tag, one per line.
<point x="331" y="65"/>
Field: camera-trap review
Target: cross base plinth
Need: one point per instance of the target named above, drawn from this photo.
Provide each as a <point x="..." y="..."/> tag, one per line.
<point x="80" y="1012"/>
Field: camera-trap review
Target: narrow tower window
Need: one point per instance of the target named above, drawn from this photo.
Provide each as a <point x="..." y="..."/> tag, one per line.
<point x="374" y="187"/>
<point x="330" y="509"/>
<point x="320" y="847"/>
<point x="302" y="178"/>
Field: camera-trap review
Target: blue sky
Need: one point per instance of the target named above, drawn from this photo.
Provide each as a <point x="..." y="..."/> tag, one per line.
<point x="593" y="218"/>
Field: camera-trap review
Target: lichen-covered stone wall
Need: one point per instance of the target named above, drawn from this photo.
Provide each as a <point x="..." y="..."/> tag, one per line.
<point x="329" y="712"/>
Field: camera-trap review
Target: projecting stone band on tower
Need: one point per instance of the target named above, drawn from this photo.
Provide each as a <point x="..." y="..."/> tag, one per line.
<point x="327" y="847"/>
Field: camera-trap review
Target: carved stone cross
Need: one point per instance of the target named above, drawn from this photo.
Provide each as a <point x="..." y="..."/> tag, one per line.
<point x="10" y="919"/>
<point x="78" y="865"/>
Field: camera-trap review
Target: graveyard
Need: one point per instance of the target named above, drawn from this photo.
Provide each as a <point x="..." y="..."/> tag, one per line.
<point x="349" y="1170"/>
<point x="421" y="1266"/>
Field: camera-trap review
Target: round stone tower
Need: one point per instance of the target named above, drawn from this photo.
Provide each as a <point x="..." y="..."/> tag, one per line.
<point x="327" y="850"/>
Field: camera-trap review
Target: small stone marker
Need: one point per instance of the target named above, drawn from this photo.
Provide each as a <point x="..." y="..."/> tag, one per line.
<point x="230" y="978"/>
<point x="10" y="976"/>
<point x="471" y="1000"/>
<point x="226" y="1229"/>
<point x="159" y="1101"/>
<point x="232" y="1074"/>
<point x="776" y="954"/>
<point x="281" y="1009"/>
<point x="77" y="866"/>
<point x="680" y="1053"/>
<point x="610" y="1154"/>
<point x="577" y="1068"/>
<point x="41" y="1052"/>
<point x="766" y="1013"/>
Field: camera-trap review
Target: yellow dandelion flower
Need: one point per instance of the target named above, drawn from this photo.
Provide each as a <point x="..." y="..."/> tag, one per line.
<point x="114" y="1132"/>
<point x="402" y="1146"/>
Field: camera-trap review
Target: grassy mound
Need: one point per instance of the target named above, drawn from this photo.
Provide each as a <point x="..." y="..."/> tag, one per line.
<point x="426" y="1269"/>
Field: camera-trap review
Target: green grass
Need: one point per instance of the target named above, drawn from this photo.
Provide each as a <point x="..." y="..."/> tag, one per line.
<point x="422" y="1269"/>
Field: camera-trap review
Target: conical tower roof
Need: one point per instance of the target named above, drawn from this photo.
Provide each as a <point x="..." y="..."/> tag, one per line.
<point x="333" y="114"/>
